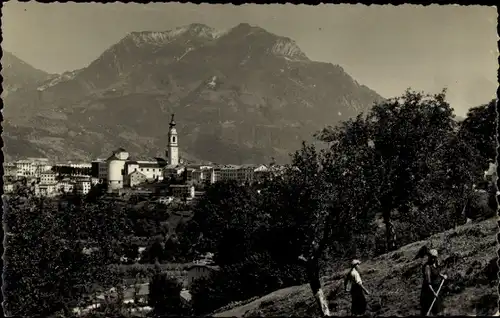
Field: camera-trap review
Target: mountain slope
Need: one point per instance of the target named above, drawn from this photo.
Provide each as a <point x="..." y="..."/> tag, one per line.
<point x="239" y="96"/>
<point x="18" y="74"/>
<point x="468" y="254"/>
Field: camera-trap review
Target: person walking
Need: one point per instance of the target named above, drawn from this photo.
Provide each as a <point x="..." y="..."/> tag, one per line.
<point x="430" y="285"/>
<point x="354" y="285"/>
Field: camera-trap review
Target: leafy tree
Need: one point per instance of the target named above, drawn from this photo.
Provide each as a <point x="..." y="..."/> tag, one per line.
<point x="96" y="192"/>
<point x="222" y="222"/>
<point x="315" y="212"/>
<point x="408" y="139"/>
<point x="45" y="269"/>
<point x="155" y="252"/>
<point x="207" y="294"/>
<point x="164" y="295"/>
<point x="479" y="130"/>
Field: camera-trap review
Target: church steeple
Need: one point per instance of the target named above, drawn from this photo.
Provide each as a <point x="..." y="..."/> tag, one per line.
<point x="172" y="122"/>
<point x="172" y="147"/>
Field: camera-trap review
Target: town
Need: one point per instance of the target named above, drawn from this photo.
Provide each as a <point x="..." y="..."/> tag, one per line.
<point x="168" y="180"/>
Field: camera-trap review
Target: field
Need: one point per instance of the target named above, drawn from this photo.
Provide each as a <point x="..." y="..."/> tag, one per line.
<point x="468" y="255"/>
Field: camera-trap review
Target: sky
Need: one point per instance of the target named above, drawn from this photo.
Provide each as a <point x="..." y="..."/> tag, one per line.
<point x="387" y="48"/>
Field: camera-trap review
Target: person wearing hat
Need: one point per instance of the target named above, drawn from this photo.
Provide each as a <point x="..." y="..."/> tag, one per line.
<point x="430" y="285"/>
<point x="354" y="284"/>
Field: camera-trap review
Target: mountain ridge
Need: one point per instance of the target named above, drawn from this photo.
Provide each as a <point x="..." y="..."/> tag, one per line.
<point x="18" y="74"/>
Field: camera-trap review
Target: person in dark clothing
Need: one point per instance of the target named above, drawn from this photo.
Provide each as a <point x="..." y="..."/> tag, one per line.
<point x="354" y="284"/>
<point x="430" y="285"/>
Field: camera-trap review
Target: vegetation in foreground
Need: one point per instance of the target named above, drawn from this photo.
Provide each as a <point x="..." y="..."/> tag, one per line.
<point x="403" y="172"/>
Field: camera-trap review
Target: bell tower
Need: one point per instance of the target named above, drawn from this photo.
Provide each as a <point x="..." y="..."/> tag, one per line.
<point x="172" y="147"/>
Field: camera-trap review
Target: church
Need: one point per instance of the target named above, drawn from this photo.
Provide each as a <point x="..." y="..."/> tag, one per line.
<point x="120" y="171"/>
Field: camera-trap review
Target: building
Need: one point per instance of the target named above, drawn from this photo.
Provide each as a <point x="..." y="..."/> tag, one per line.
<point x="46" y="190"/>
<point x="9" y="169"/>
<point x="94" y="181"/>
<point x="172" y="153"/>
<point x="65" y="186"/>
<point x="74" y="169"/>
<point x="135" y="178"/>
<point x="202" y="174"/>
<point x="260" y="173"/>
<point x="8" y="188"/>
<point x="199" y="270"/>
<point x="31" y="167"/>
<point x="152" y="170"/>
<point x="165" y="200"/>
<point x="116" y="169"/>
<point x="491" y="173"/>
<point x="119" y="167"/>
<point x="99" y="169"/>
<point x="48" y="177"/>
<point x="83" y="186"/>
<point x="182" y="191"/>
<point x="170" y="172"/>
<point x="229" y="172"/>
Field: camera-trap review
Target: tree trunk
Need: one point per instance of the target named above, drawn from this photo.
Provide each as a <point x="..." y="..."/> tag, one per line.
<point x="315" y="284"/>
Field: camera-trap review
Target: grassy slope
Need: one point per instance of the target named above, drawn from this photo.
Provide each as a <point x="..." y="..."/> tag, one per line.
<point x="468" y="254"/>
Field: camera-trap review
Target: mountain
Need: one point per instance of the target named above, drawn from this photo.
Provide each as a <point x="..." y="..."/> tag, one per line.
<point x="468" y="255"/>
<point x="239" y="96"/>
<point x="18" y="74"/>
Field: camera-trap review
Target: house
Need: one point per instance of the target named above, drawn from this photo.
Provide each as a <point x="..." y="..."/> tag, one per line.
<point x="199" y="270"/>
<point x="136" y="177"/>
<point x="66" y="186"/>
<point x="491" y="173"/>
<point x="9" y="170"/>
<point x="8" y="188"/>
<point x="48" y="190"/>
<point x="186" y="296"/>
<point x="83" y="186"/>
<point x="165" y="200"/>
<point x="172" y="171"/>
<point x="153" y="170"/>
<point x="182" y="191"/>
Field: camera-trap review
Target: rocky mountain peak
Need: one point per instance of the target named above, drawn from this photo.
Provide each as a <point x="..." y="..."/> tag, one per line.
<point x="163" y="37"/>
<point x="288" y="48"/>
<point x="277" y="45"/>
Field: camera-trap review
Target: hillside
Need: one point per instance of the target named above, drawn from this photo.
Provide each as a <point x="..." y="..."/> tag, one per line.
<point x="18" y="75"/>
<point x="468" y="253"/>
<point x="240" y="96"/>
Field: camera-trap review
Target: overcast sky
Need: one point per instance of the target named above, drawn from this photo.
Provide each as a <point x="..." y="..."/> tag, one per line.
<point x="387" y="48"/>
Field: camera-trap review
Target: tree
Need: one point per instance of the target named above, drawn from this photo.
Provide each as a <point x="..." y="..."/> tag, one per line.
<point x="45" y="269"/>
<point x="164" y="295"/>
<point x="222" y="222"/>
<point x="479" y="130"/>
<point x="319" y="195"/>
<point x="407" y="139"/>
<point x="96" y="192"/>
